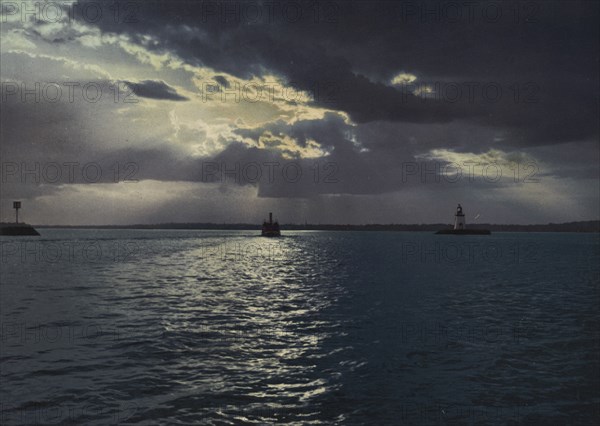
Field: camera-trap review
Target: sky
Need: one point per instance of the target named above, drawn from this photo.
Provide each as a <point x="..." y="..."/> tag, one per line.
<point x="335" y="112"/>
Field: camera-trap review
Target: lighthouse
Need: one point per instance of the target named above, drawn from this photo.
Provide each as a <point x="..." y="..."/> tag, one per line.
<point x="459" y="226"/>
<point x="459" y="219"/>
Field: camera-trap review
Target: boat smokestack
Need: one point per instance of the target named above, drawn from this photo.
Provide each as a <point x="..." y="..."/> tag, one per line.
<point x="270" y="217"/>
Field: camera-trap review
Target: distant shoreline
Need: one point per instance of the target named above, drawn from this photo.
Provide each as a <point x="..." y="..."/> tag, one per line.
<point x="583" y="226"/>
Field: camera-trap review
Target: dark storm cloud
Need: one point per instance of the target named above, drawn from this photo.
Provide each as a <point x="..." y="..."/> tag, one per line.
<point x="328" y="131"/>
<point x="546" y="69"/>
<point x="36" y="162"/>
<point x="371" y="158"/>
<point x="543" y="56"/>
<point x="155" y="89"/>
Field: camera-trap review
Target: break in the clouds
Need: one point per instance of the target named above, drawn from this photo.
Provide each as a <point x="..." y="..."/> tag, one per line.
<point x="342" y="112"/>
<point x="155" y="90"/>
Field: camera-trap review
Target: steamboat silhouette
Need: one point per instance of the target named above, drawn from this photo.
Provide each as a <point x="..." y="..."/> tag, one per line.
<point x="270" y="228"/>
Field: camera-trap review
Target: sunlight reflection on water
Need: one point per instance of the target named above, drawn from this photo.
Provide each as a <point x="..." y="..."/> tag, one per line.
<point x="309" y="328"/>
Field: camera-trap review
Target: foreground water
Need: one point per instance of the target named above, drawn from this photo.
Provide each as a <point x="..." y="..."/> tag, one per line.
<point x="224" y="327"/>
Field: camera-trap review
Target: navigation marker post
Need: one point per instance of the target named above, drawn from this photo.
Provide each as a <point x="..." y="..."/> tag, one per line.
<point x="17" y="206"/>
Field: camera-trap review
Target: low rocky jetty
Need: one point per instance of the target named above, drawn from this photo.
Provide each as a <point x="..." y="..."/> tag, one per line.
<point x="17" y="229"/>
<point x="464" y="232"/>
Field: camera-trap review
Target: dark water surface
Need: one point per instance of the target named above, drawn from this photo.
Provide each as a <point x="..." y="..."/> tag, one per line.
<point x="225" y="327"/>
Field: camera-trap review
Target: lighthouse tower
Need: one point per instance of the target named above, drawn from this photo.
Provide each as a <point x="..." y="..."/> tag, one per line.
<point x="459" y="219"/>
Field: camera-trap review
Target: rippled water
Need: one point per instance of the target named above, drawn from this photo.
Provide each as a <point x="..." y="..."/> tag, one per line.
<point x="225" y="327"/>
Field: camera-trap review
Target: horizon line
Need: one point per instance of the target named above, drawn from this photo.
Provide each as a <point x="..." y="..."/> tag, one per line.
<point x="303" y="224"/>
